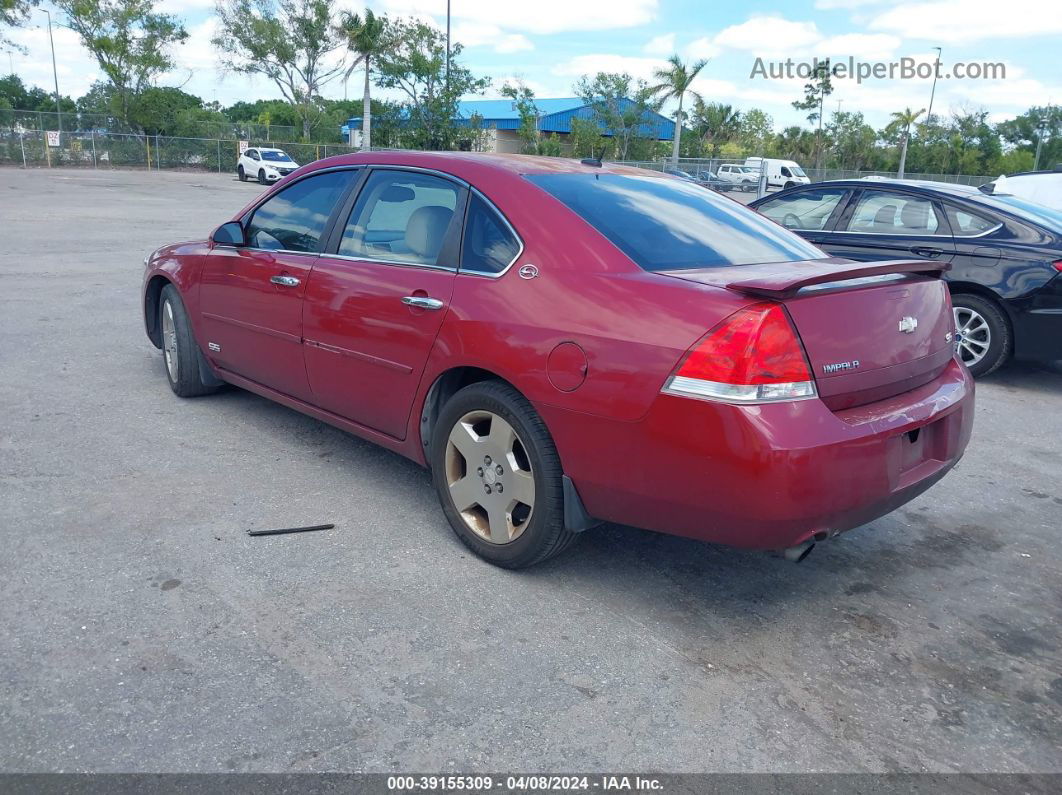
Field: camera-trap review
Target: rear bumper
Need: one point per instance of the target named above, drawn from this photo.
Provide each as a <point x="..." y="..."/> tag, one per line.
<point x="767" y="476"/>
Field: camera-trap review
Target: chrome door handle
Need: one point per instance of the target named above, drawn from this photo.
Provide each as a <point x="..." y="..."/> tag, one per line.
<point x="422" y="302"/>
<point x="285" y="281"/>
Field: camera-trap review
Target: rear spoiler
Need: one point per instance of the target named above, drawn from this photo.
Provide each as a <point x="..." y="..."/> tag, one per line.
<point x="785" y="279"/>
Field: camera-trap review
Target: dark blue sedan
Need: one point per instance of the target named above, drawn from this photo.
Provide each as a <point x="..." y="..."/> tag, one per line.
<point x="1005" y="254"/>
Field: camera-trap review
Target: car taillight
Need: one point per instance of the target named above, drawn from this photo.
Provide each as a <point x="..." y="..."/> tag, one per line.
<point x="754" y="356"/>
<point x="1058" y="265"/>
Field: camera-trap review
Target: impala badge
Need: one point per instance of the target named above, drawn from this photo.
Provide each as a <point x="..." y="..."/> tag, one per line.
<point x="837" y="367"/>
<point x="528" y="271"/>
<point x="908" y="324"/>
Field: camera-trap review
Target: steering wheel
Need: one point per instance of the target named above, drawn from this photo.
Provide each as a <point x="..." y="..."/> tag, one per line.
<point x="790" y="221"/>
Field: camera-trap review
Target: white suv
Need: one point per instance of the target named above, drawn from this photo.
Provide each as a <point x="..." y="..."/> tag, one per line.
<point x="743" y="177"/>
<point x="265" y="165"/>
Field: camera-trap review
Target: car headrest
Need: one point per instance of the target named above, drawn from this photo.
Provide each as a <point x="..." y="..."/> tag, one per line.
<point x="886" y="216"/>
<point x="425" y="230"/>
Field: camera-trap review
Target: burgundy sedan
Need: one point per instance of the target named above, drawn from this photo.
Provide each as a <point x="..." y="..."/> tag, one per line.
<point x="567" y="343"/>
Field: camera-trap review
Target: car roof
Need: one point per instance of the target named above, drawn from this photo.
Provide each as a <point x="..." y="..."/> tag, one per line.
<point x="941" y="187"/>
<point x="455" y="162"/>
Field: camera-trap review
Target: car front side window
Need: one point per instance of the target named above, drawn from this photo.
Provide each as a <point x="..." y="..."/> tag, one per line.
<point x="806" y="210"/>
<point x="401" y="217"/>
<point x="295" y="218"/>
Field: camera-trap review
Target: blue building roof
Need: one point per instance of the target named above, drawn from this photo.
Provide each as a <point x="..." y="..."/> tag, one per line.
<point x="555" y="115"/>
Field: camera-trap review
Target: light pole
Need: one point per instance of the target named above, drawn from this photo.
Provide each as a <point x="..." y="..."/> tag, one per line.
<point x="55" y="72"/>
<point x="447" y="44"/>
<point x="1041" y="128"/>
<point x="933" y="91"/>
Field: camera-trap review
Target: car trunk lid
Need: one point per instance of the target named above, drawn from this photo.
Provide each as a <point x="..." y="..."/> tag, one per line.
<point x="870" y="330"/>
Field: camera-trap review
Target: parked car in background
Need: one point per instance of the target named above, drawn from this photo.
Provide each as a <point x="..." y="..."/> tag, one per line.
<point x="1004" y="254"/>
<point x="564" y="342"/>
<point x="705" y="179"/>
<point x="265" y="165"/>
<point x="1042" y="187"/>
<point x="745" y="178"/>
<point x="780" y="173"/>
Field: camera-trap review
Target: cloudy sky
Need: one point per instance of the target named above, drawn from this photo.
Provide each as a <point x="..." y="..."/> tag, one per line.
<point x="550" y="43"/>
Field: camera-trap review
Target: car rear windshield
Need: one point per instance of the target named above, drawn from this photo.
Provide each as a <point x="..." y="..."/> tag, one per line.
<point x="278" y="157"/>
<point x="671" y="224"/>
<point x="1027" y="210"/>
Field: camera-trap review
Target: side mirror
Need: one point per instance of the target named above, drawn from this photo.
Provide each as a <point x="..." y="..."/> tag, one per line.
<point x="229" y="234"/>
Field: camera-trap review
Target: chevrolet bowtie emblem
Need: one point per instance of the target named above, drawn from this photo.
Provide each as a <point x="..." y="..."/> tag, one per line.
<point x="908" y="324"/>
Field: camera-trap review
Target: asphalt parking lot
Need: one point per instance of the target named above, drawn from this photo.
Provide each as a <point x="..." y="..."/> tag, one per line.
<point x="141" y="629"/>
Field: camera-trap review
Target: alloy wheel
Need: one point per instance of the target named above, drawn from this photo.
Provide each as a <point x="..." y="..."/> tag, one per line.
<point x="169" y="341"/>
<point x="489" y="476"/>
<point x="973" y="336"/>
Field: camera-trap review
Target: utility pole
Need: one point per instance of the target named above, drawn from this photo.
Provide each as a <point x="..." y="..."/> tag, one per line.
<point x="55" y="73"/>
<point x="933" y="91"/>
<point x="1041" y="128"/>
<point x="448" y="44"/>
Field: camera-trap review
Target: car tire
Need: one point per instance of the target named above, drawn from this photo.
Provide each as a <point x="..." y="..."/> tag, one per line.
<point x="179" y="349"/>
<point x="513" y="529"/>
<point x="262" y="176"/>
<point x="983" y="337"/>
<point x="789" y="185"/>
<point x="241" y="173"/>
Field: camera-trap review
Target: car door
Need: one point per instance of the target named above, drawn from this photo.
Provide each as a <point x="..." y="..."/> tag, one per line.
<point x="882" y="224"/>
<point x="811" y="212"/>
<point x="251" y="296"/>
<point x="378" y="295"/>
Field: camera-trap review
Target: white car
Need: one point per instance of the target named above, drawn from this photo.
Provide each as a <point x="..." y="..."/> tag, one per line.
<point x="742" y="177"/>
<point x="265" y="165"/>
<point x="1042" y="187"/>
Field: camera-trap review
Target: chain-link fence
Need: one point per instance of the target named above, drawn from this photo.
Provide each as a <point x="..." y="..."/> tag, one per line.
<point x="102" y="123"/>
<point x="32" y="148"/>
<point x="719" y="173"/>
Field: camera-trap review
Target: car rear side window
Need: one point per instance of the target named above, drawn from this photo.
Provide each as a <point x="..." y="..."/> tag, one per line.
<point x="295" y="218"/>
<point x="806" y="209"/>
<point x="489" y="245"/>
<point x="400" y="216"/>
<point x="966" y="224"/>
<point x="670" y="224"/>
<point x="883" y="213"/>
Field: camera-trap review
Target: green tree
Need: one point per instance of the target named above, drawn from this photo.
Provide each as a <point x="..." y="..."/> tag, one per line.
<point x="902" y="120"/>
<point x="157" y="110"/>
<point x="815" y="92"/>
<point x="291" y="42"/>
<point x="1023" y="133"/>
<point x="674" y="82"/>
<point x="586" y="139"/>
<point x="715" y="123"/>
<point x="524" y="100"/>
<point x="621" y="106"/>
<point x="756" y="132"/>
<point x="415" y="66"/>
<point x="854" y="141"/>
<point x="13" y="14"/>
<point x="129" y="40"/>
<point x="367" y="37"/>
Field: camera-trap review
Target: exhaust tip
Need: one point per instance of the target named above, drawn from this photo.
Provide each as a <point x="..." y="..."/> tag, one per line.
<point x="799" y="552"/>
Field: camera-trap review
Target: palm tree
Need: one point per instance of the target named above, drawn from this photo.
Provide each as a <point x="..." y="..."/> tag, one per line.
<point x="366" y="38"/>
<point x="904" y="118"/>
<point x="716" y="123"/>
<point x="675" y="81"/>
